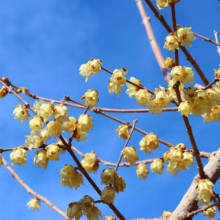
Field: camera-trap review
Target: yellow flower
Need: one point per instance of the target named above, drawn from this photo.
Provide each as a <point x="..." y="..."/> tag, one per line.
<point x="34" y="204"/>
<point x="85" y="123"/>
<point x="18" y="156"/>
<point x="163" y="3"/>
<point x="60" y="113"/>
<point x="34" y="140"/>
<point x="185" y="35"/>
<point x="130" y="155"/>
<point x="188" y="159"/>
<point x="169" y="62"/>
<point x="111" y="217"/>
<point x="90" y="162"/>
<point x="182" y="74"/>
<point x="149" y="142"/>
<point x="108" y="176"/>
<point x="21" y="113"/>
<point x="74" y="211"/>
<point x="91" y="98"/>
<point x="45" y="135"/>
<point x="94" y="214"/>
<point x="210" y="212"/>
<point x="71" y="125"/>
<point x="184" y="108"/>
<point x="46" y="111"/>
<point x="171" y="43"/>
<point x="86" y="204"/>
<point x="53" y="152"/>
<point x="142" y="97"/>
<point x="36" y="123"/>
<point x="132" y="90"/>
<point x="157" y="166"/>
<point x="80" y="135"/>
<point x="54" y="128"/>
<point x="166" y="214"/>
<point x="108" y="194"/>
<point x="217" y="73"/>
<point x="119" y="184"/>
<point x="142" y="171"/>
<point x="123" y="131"/>
<point x="41" y="159"/>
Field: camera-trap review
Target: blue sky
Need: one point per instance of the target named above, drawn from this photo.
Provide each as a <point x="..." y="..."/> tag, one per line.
<point x="43" y="44"/>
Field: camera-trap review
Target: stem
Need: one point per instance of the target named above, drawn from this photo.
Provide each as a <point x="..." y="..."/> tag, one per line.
<point x="119" y="160"/>
<point x="207" y="39"/>
<point x="86" y="110"/>
<point x="211" y="83"/>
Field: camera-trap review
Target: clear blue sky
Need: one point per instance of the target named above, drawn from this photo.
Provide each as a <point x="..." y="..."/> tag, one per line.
<point x="43" y="44"/>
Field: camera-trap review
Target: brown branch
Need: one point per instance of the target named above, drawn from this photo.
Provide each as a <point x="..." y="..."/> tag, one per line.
<point x="156" y="50"/>
<point x="185" y="51"/>
<point x="32" y="192"/>
<point x="191" y="137"/>
<point x="188" y="202"/>
<point x="86" y="110"/>
<point x="134" y="84"/>
<point x="216" y="39"/>
<point x="126" y="144"/>
<point x="207" y="39"/>
<point x="211" y="83"/>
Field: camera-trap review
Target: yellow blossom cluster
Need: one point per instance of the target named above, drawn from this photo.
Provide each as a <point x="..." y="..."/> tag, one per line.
<point x="70" y="177"/>
<point x="183" y="37"/>
<point x="178" y="160"/>
<point x="84" y="206"/>
<point x="110" y="176"/>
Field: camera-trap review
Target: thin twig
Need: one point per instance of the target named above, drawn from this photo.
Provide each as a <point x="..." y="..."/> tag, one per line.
<point x="32" y="192"/>
<point x="216" y="39"/>
<point x="185" y="51"/>
<point x="86" y="110"/>
<point x="191" y="137"/>
<point x="206" y="39"/>
<point x="126" y="144"/>
<point x="211" y="83"/>
<point x="156" y="50"/>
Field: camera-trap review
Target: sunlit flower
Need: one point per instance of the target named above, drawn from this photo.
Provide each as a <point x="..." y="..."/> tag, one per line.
<point x="86" y="204"/>
<point x="149" y="142"/>
<point x="142" y="97"/>
<point x="36" y="123"/>
<point x="21" y="113"/>
<point x="171" y="42"/>
<point x="90" y="162"/>
<point x="46" y="111"/>
<point x="91" y="98"/>
<point x="85" y="123"/>
<point x="182" y="74"/>
<point x="41" y="159"/>
<point x="185" y="35"/>
<point x="34" y="204"/>
<point x="18" y="156"/>
<point x="54" y="128"/>
<point x="34" y="140"/>
<point x="130" y="155"/>
<point x="142" y="171"/>
<point x="74" y="211"/>
<point x="60" y="113"/>
<point x="94" y="214"/>
<point x="71" y="125"/>
<point x="123" y="131"/>
<point x="184" y="108"/>
<point x="157" y="166"/>
<point x="45" y="134"/>
<point x="108" y="176"/>
<point x="37" y="105"/>
<point x="111" y="217"/>
<point x="119" y="184"/>
<point x="169" y="62"/>
<point x="210" y="212"/>
<point x="108" y="194"/>
<point x="52" y="152"/>
<point x="163" y="3"/>
<point x="166" y="214"/>
<point x="132" y="89"/>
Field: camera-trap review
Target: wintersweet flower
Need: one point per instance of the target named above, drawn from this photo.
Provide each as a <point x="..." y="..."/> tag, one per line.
<point x="108" y="194"/>
<point x="204" y="191"/>
<point x="36" y="123"/>
<point x="162" y="97"/>
<point x="169" y="62"/>
<point x="184" y="108"/>
<point x="91" y="98"/>
<point x="80" y="135"/>
<point x="119" y="184"/>
<point x="210" y="212"/>
<point x="132" y="89"/>
<point x="92" y="67"/>
<point x="34" y="140"/>
<point x="94" y="214"/>
<point x="217" y="73"/>
<point x="18" y="156"/>
<point x="142" y="171"/>
<point x="116" y="81"/>
<point x="46" y="111"/>
<point x="171" y="42"/>
<point x="130" y="155"/>
<point x="182" y="74"/>
<point x="208" y="117"/>
<point x="154" y="107"/>
<point x="149" y="142"/>
<point x="200" y="97"/>
<point x="71" y="125"/>
<point x="157" y="166"/>
<point x="60" y="113"/>
<point x="53" y="152"/>
<point x="195" y="109"/>
<point x="172" y="90"/>
<point x="190" y="93"/>
<point x="108" y="176"/>
<point x="185" y="35"/>
<point x="34" y="204"/>
<point x="45" y="134"/>
<point x="85" y="123"/>
<point x="166" y="214"/>
<point x="163" y="3"/>
<point x="41" y="159"/>
<point x="37" y="105"/>
<point x="142" y="97"/>
<point x="3" y="92"/>
<point x="21" y="113"/>
<point x="188" y="159"/>
<point x="74" y="211"/>
<point x="123" y="131"/>
<point x="54" y="128"/>
<point x="90" y="162"/>
<point x="111" y="217"/>
<point x="86" y="204"/>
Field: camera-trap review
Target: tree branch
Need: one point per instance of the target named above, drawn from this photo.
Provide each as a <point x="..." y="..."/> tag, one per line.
<point x="216" y="39"/>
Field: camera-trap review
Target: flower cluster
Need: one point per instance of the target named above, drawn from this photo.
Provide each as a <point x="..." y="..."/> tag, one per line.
<point x="149" y="143"/>
<point x="204" y="191"/>
<point x="84" y="206"/>
<point x="117" y="81"/>
<point x="178" y="160"/>
<point x="130" y="155"/>
<point x="90" y="162"/>
<point x="70" y="177"/>
<point x="183" y="36"/>
<point x="123" y="131"/>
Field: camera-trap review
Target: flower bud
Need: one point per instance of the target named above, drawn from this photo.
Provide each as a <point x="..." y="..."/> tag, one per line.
<point x="34" y="204"/>
<point x="123" y="131"/>
<point x="157" y="166"/>
<point x="71" y="125"/>
<point x="54" y="128"/>
<point x="86" y="204"/>
<point x="108" y="176"/>
<point x="111" y="217"/>
<point x="108" y="194"/>
<point x="34" y="140"/>
<point x="184" y="108"/>
<point x="46" y="111"/>
<point x="169" y="62"/>
<point x="91" y="98"/>
<point x="52" y="152"/>
<point x="171" y="43"/>
<point x="149" y="142"/>
<point x="204" y="191"/>
<point x="60" y="113"/>
<point x="18" y="156"/>
<point x="21" y="113"/>
<point x="130" y="155"/>
<point x="85" y="123"/>
<point x="116" y="81"/>
<point x="90" y="162"/>
<point x="45" y="135"/>
<point x="166" y="214"/>
<point x="119" y="184"/>
<point x="132" y="89"/>
<point x="142" y="171"/>
<point x="210" y="212"/>
<point x="36" y="123"/>
<point x="185" y="35"/>
<point x="142" y="97"/>
<point x="41" y="159"/>
<point x="74" y="211"/>
<point x="3" y="92"/>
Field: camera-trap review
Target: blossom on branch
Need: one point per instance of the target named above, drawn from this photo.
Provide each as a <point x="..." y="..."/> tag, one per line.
<point x="91" y="98"/>
<point x="185" y="35"/>
<point x="130" y="155"/>
<point x="70" y="126"/>
<point x="108" y="194"/>
<point x="34" y="204"/>
<point x="74" y="211"/>
<point x="36" y="123"/>
<point x="182" y="74"/>
<point x="142" y="171"/>
<point x="157" y="166"/>
<point x="169" y="62"/>
<point x="90" y="162"/>
<point x="18" y="156"/>
<point x="46" y="111"/>
<point x="210" y="212"/>
<point x="34" y="140"/>
<point x="123" y="131"/>
<point x="21" y="113"/>
<point x="142" y="97"/>
<point x="53" y="152"/>
<point x="41" y="159"/>
<point x="166" y="214"/>
<point x="85" y="123"/>
<point x="111" y="217"/>
<point x="171" y="42"/>
<point x="119" y="184"/>
<point x="94" y="214"/>
<point x="149" y="143"/>
<point x="60" y="113"/>
<point x="108" y="176"/>
<point x="132" y="90"/>
<point x="54" y="128"/>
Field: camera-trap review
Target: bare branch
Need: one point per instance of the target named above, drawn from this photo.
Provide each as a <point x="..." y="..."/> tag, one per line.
<point x="216" y="39"/>
<point x="207" y="39"/>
